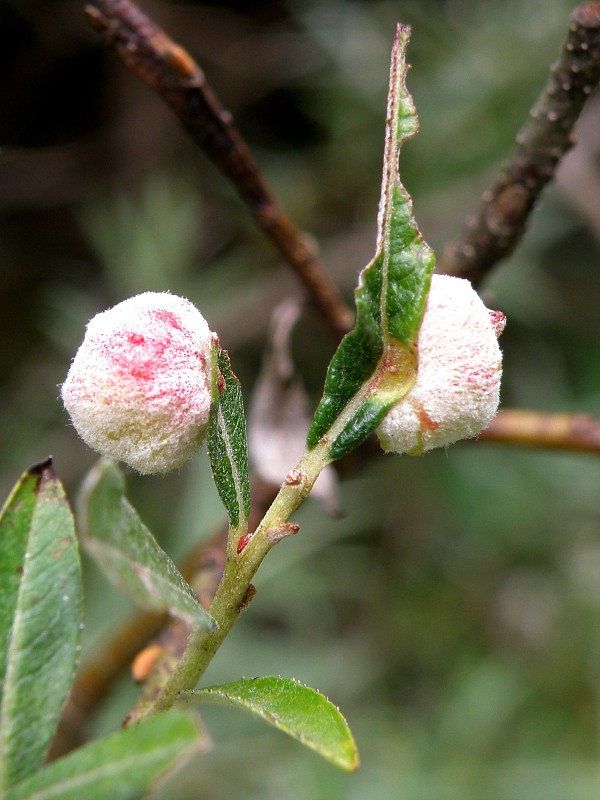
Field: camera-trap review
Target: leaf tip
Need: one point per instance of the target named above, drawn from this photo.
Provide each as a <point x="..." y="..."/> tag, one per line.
<point x="43" y="471"/>
<point x="403" y="31"/>
<point x="401" y="40"/>
<point x="354" y="764"/>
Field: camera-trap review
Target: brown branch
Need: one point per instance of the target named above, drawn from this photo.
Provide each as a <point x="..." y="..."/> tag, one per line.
<point x="495" y="229"/>
<point x="578" y="432"/>
<point x="172" y="73"/>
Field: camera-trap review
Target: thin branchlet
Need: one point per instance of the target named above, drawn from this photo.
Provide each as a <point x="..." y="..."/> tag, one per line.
<point x="173" y="74"/>
<point x="496" y="228"/>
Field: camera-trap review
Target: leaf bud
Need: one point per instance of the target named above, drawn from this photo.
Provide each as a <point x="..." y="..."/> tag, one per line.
<point x="140" y="387"/>
<point x="457" y="389"/>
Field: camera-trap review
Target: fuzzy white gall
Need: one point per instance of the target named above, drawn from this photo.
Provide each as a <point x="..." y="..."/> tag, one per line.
<point x="139" y="389"/>
<point x="457" y="389"/>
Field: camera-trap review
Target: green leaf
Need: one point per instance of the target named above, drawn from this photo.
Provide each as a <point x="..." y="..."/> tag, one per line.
<point x="301" y="712"/>
<point x="119" y="767"/>
<point x="377" y="362"/>
<point x="40" y="618"/>
<point x="227" y="445"/>
<point x="129" y="554"/>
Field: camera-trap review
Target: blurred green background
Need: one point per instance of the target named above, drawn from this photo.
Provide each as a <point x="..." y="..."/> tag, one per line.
<point x="453" y="612"/>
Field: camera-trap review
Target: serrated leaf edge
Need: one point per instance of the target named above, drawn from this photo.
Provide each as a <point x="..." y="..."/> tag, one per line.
<point x="38" y="472"/>
<point x="199" y="620"/>
<point x="217" y="696"/>
<point x="238" y="516"/>
<point x="395" y="371"/>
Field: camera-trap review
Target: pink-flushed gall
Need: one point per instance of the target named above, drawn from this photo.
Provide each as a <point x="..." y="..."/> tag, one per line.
<point x="139" y="389"/>
<point x="457" y="389"/>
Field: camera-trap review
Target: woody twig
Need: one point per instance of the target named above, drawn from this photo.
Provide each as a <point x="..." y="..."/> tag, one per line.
<point x="174" y="75"/>
<point x="566" y="432"/>
<point x="497" y="226"/>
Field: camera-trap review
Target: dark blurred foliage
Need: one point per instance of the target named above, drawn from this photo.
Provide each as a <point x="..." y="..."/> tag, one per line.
<point x="454" y="611"/>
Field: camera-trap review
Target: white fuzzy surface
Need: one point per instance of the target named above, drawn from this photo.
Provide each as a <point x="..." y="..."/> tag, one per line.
<point x="138" y="389"/>
<point x="457" y="390"/>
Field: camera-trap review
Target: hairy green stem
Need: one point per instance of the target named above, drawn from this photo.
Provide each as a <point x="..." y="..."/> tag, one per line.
<point x="233" y="592"/>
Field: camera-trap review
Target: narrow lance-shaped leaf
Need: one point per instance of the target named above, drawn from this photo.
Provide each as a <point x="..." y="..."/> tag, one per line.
<point x="375" y="364"/>
<point x="128" y="552"/>
<point x="40" y="618"/>
<point x="122" y="766"/>
<point x="227" y="445"/>
<point x="297" y="710"/>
